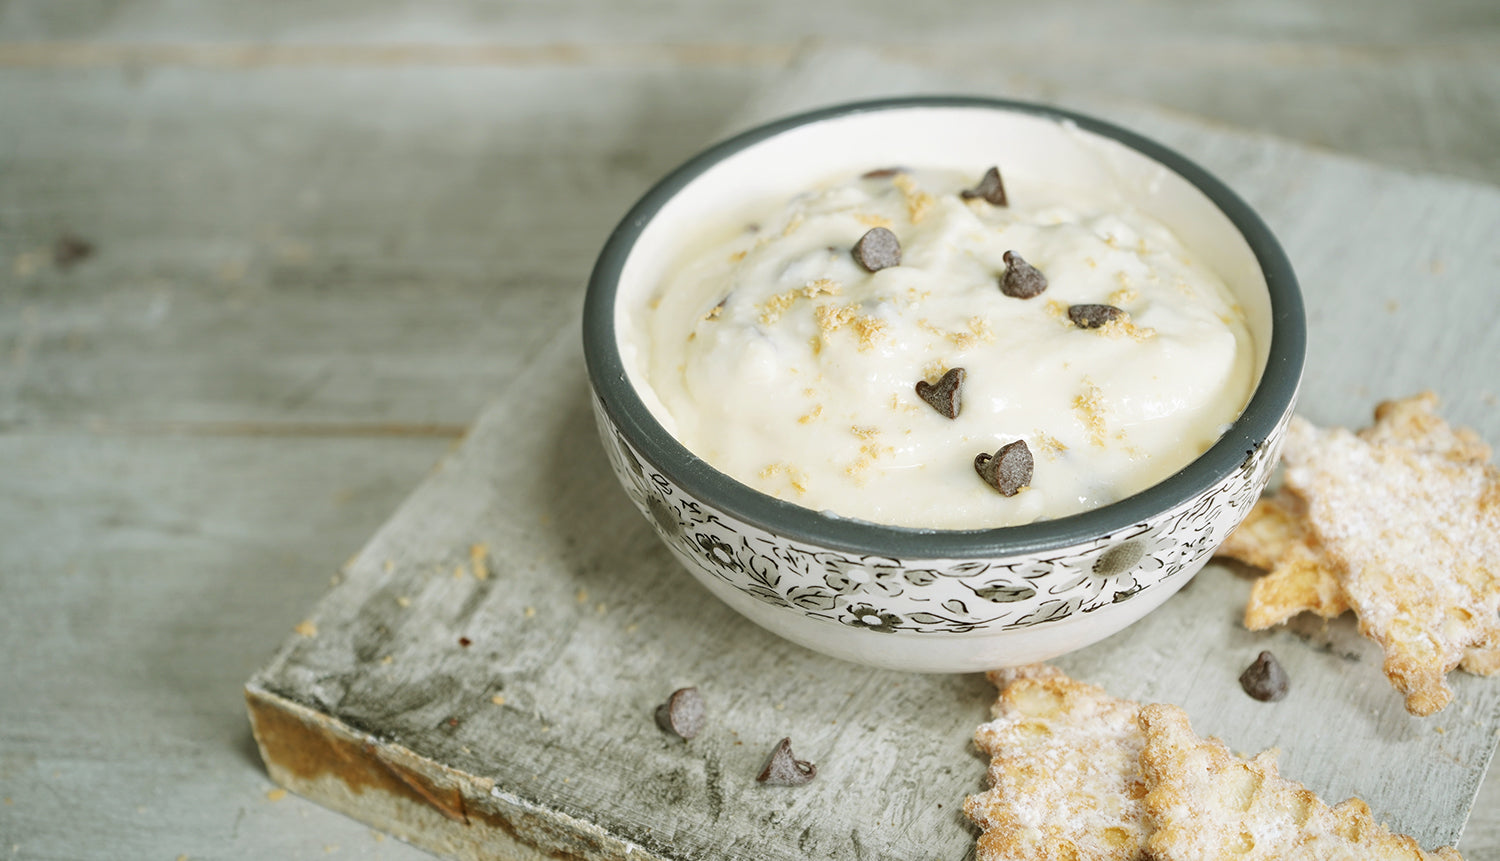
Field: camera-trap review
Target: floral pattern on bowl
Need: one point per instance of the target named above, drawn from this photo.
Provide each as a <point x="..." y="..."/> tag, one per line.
<point x="939" y="596"/>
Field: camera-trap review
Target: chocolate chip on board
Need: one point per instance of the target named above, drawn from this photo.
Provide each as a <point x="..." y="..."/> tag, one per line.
<point x="1265" y="680"/>
<point x="1007" y="470"/>
<point x="990" y="188"/>
<point x="1021" y="280"/>
<point x="878" y="249"/>
<point x="683" y="714"/>
<point x="784" y="769"/>
<point x="943" y="395"/>
<point x="1093" y="316"/>
<point x="69" y="250"/>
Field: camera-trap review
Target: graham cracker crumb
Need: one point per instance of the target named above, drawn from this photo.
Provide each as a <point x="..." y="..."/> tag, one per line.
<point x="1123" y="326"/>
<point x="1048" y="444"/>
<point x="792" y="225"/>
<point x="1089" y="405"/>
<point x="1058" y="310"/>
<point x="864" y="432"/>
<point x="581" y="596"/>
<point x="497" y="700"/>
<point x="306" y="628"/>
<point x="809" y="418"/>
<point x="738" y="256"/>
<point x="795" y="477"/>
<point x="866" y="328"/>
<point x="872" y="220"/>
<point x="772" y="309"/>
<point x="1126" y="294"/>
<point x="918" y="202"/>
<point x="275" y="795"/>
<point x="479" y="560"/>
<point x="777" y="305"/>
<point x="403" y="600"/>
<point x="387" y="660"/>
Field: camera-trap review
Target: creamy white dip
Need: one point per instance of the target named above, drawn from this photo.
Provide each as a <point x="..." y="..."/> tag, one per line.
<point x="785" y="363"/>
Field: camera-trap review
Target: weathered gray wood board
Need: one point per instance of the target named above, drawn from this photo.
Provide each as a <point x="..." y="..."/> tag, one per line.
<point x="327" y="236"/>
<point x="539" y="730"/>
<point x="1314" y="71"/>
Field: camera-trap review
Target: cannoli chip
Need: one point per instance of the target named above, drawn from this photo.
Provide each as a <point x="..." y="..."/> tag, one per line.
<point x="1274" y="536"/>
<point x="1205" y="802"/>
<point x="1064" y="772"/>
<point x="1414" y="530"/>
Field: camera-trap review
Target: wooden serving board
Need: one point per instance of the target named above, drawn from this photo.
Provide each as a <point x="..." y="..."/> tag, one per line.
<point x="482" y="681"/>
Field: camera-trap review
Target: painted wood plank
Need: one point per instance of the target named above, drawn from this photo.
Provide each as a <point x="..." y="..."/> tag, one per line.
<point x="1312" y="72"/>
<point x="105" y="505"/>
<point x="389" y="263"/>
<point x="1340" y="22"/>
<point x="583" y="623"/>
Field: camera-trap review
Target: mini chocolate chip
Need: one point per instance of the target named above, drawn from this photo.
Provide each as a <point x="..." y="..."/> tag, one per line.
<point x="69" y="250"/>
<point x="1093" y="316"/>
<point x="683" y="714"/>
<point x="783" y="769"/>
<point x="990" y="188"/>
<point x="1007" y="470"/>
<point x="878" y="249"/>
<point x="943" y="395"/>
<point x="465" y="642"/>
<point x="1021" y="280"/>
<point x="882" y="173"/>
<point x="1265" y="680"/>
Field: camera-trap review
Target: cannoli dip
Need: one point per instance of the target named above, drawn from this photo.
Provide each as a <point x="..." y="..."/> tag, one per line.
<point x="788" y="350"/>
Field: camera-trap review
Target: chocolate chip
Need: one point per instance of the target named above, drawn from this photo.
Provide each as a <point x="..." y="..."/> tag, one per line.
<point x="878" y="249"/>
<point x="465" y="642"/>
<point x="1021" y="279"/>
<point x="990" y="188"/>
<point x="69" y="250"/>
<point x="1093" y="316"/>
<point x="943" y="395"/>
<point x="783" y="769"/>
<point x="683" y="714"/>
<point x="882" y="173"/>
<point x="1265" y="680"/>
<point x="1007" y="470"/>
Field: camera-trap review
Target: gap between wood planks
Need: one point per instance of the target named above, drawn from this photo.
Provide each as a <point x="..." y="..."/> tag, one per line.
<point x="85" y="55"/>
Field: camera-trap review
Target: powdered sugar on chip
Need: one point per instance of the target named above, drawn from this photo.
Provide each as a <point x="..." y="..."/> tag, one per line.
<point x="1275" y="536"/>
<point x="1414" y="530"/>
<point x="1206" y="803"/>
<point x="1064" y="772"/>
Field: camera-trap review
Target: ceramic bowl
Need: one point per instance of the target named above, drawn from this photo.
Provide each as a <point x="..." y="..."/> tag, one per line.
<point x="940" y="600"/>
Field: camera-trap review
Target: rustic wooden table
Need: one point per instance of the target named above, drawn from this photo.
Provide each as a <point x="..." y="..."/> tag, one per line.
<point x="261" y="264"/>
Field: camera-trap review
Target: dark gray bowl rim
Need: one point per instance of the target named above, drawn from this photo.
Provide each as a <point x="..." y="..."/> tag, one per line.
<point x="1273" y="395"/>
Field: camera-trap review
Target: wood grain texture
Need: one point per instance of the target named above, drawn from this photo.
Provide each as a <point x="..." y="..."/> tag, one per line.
<point x="583" y="624"/>
<point x="317" y="228"/>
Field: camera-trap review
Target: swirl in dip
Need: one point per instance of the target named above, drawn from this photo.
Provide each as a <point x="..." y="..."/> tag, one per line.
<point x="783" y="361"/>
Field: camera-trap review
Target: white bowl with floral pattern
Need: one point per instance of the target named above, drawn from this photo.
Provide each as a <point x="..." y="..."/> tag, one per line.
<point x="921" y="599"/>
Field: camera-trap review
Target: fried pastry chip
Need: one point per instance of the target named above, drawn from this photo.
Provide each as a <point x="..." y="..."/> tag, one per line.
<point x="1206" y="803"/>
<point x="1414" y="422"/>
<point x="1406" y="519"/>
<point x="1274" y="536"/>
<point x="1064" y="772"/>
<point x="1413" y="529"/>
